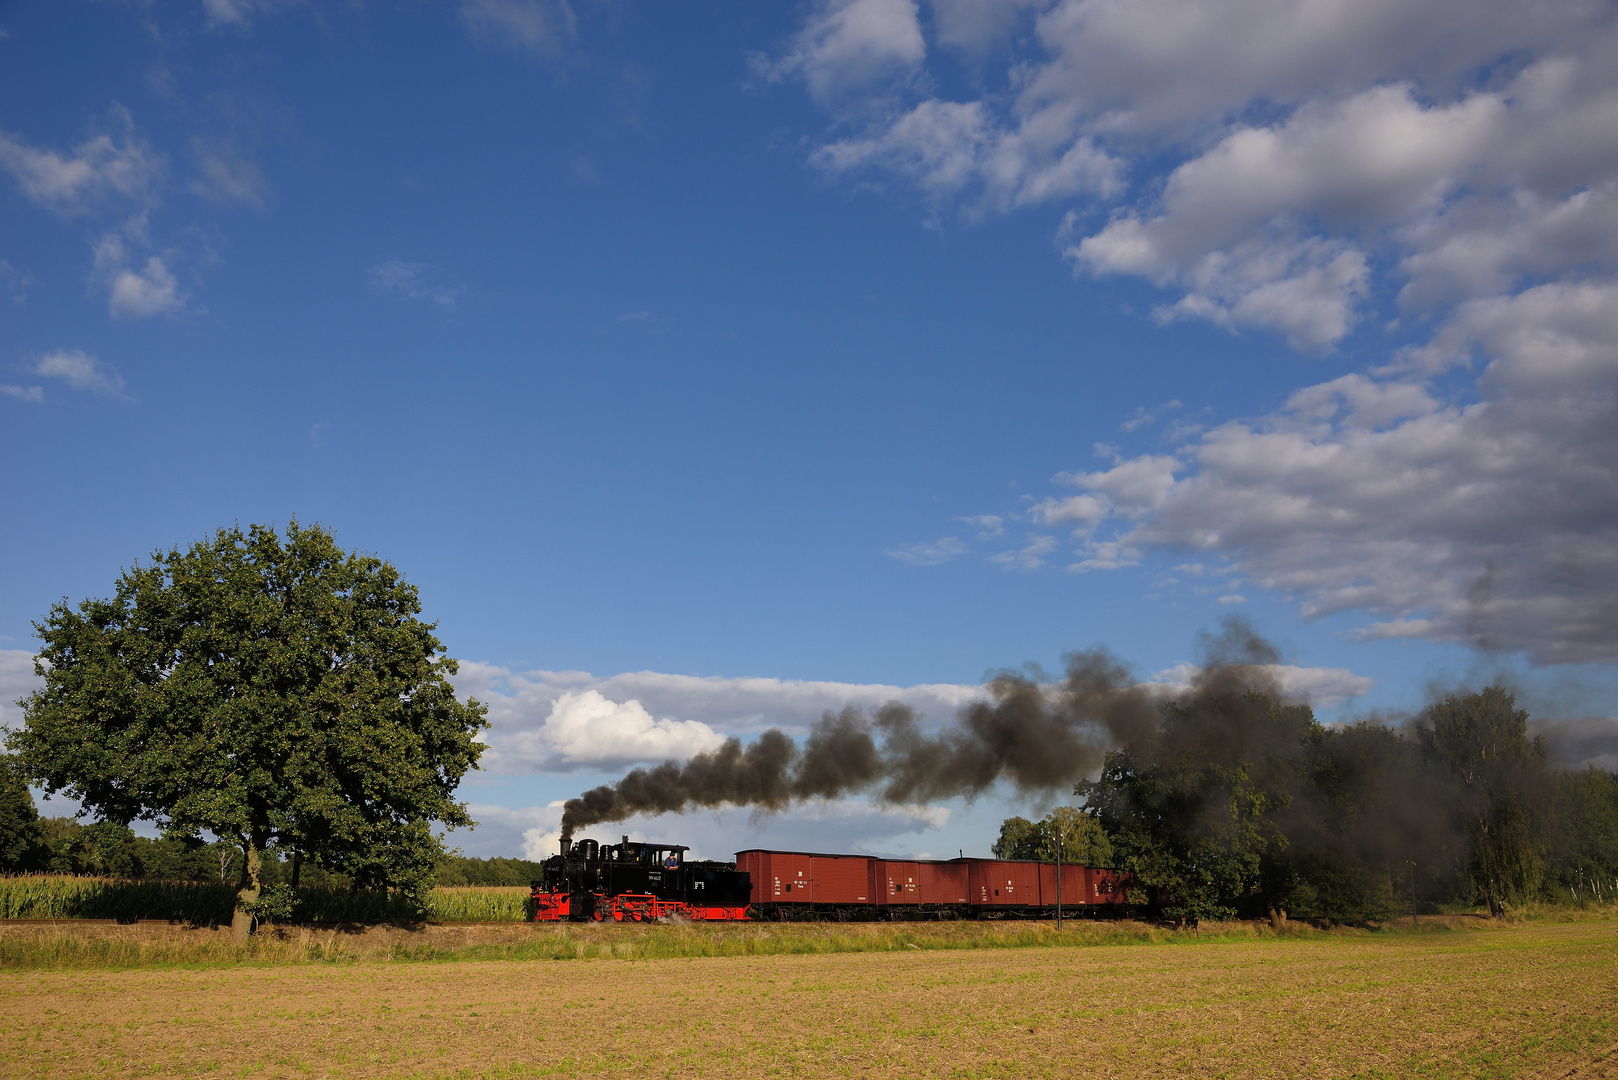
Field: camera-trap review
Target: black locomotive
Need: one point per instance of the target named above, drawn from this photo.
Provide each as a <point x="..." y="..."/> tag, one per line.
<point x="637" y="882"/>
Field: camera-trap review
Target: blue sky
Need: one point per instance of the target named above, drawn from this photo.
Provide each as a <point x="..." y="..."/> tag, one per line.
<point x="853" y="348"/>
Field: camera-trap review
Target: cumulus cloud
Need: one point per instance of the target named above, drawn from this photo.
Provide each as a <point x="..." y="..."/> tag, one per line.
<point x="957" y="151"/>
<point x="559" y="721"/>
<point x="1490" y="522"/>
<point x="585" y="728"/>
<point x="81" y="371"/>
<point x="539" y="26"/>
<point x="113" y="164"/>
<point x="136" y="291"/>
<point x="1309" y="147"/>
<point x="850" y="45"/>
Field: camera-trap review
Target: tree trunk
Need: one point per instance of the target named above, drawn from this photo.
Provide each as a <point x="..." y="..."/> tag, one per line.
<point x="247" y="892"/>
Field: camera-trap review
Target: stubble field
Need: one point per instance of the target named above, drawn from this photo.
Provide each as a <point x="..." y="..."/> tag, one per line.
<point x="1521" y="1001"/>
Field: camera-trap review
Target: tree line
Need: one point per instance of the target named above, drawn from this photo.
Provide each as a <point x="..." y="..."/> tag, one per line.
<point x="1239" y="803"/>
<point x="30" y="843"/>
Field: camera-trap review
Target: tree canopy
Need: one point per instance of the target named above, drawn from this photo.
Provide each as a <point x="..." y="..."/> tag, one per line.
<point x="280" y="694"/>
<point x="1084" y="841"/>
<point x="1241" y="803"/>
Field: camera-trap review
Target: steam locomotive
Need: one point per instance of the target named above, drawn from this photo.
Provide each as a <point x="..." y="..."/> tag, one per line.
<point x="639" y="882"/>
<point x="636" y="882"/>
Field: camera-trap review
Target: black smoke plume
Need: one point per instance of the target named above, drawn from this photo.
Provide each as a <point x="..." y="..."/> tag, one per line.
<point x="1037" y="738"/>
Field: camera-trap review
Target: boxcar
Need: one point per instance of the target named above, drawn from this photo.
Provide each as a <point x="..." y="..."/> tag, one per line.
<point x="797" y="885"/>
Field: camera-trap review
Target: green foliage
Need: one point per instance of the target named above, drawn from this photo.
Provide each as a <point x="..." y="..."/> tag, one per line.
<point x="459" y="870"/>
<point x="1584" y="838"/>
<point x="276" y="902"/>
<point x="1501" y="790"/>
<point x="1239" y="803"/>
<point x="1195" y="814"/>
<point x="22" y="841"/>
<point x="1084" y="841"/>
<point x="279" y="694"/>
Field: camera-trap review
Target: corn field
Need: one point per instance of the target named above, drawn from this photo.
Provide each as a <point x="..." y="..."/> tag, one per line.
<point x="56" y="896"/>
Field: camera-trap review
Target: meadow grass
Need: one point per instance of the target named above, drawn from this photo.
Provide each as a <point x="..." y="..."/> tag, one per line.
<point x="99" y="946"/>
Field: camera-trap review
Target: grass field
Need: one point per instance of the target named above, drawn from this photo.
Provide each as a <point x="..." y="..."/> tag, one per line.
<point x="1533" y="1000"/>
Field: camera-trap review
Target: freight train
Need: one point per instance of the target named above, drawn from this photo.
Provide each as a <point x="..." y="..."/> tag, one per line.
<point x="638" y="882"/>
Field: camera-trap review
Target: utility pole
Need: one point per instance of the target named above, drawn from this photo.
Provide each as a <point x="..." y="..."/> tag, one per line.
<point x="1057" y="821"/>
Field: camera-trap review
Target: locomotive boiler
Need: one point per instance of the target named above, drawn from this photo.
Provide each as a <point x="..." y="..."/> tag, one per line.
<point x="635" y="882"/>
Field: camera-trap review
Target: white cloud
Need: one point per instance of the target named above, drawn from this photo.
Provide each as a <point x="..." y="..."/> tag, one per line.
<point x="558" y="721"/>
<point x="1031" y="556"/>
<point x="585" y="728"/>
<point x="540" y="26"/>
<point x="957" y="151"/>
<point x="150" y="290"/>
<point x="1491" y="523"/>
<point x="81" y="371"/>
<point x="17" y="680"/>
<point x="414" y="281"/>
<point x="977" y="26"/>
<point x="224" y="176"/>
<point x="849" y="45"/>
<point x="23" y="393"/>
<point x="1084" y="511"/>
<point x="78" y="181"/>
<point x="1311" y="147"/>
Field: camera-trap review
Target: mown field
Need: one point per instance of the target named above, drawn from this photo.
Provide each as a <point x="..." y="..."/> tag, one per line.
<point x="1534" y="1000"/>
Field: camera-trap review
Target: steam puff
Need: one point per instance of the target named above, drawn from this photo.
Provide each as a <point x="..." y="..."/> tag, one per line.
<point x="1028" y="735"/>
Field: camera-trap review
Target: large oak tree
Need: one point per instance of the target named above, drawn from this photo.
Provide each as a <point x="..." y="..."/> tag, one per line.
<point x="281" y="694"/>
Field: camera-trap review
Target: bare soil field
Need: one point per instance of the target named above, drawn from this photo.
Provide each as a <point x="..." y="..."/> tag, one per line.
<point x="1533" y="1001"/>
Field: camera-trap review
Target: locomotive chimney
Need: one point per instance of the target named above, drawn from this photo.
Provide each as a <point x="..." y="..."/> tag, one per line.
<point x="566" y="845"/>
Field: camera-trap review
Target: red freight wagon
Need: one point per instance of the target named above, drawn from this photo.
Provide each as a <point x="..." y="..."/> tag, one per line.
<point x="995" y="883"/>
<point x="791" y="884"/>
<point x="801" y="878"/>
<point x="944" y="884"/>
<point x="1107" y="886"/>
<point x="896" y="882"/>
<point x="1075" y="885"/>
